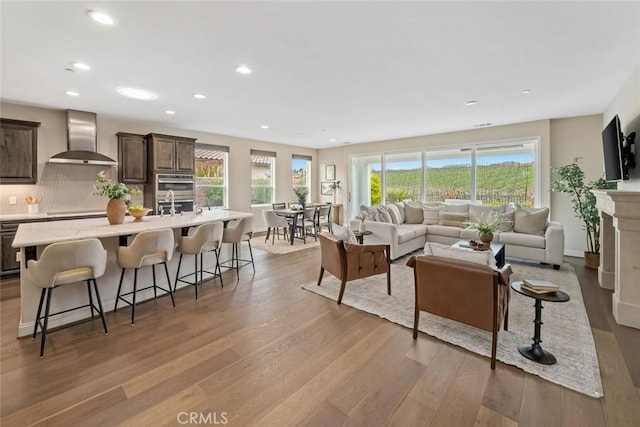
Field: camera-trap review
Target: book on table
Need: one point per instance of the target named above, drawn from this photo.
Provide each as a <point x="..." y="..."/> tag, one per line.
<point x="539" y="286"/>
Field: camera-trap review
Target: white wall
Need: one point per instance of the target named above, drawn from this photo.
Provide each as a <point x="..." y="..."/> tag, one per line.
<point x="571" y="138"/>
<point x="626" y="104"/>
<point x="52" y="140"/>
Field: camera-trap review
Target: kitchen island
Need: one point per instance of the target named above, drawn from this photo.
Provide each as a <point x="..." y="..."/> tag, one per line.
<point x="32" y="238"/>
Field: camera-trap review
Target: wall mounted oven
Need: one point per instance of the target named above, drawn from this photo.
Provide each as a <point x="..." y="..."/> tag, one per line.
<point x="183" y="187"/>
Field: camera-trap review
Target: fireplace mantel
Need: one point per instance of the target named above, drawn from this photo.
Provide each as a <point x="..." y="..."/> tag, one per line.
<point x="620" y="252"/>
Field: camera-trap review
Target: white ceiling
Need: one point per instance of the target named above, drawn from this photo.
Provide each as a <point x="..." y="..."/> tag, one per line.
<point x="353" y="71"/>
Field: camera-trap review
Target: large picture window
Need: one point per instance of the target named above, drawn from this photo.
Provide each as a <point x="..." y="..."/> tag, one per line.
<point x="490" y="174"/>
<point x="211" y="175"/>
<point x="263" y="165"/>
<point x="301" y="173"/>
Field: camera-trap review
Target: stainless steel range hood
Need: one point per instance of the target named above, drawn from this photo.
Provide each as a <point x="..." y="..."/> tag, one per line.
<point x="82" y="141"/>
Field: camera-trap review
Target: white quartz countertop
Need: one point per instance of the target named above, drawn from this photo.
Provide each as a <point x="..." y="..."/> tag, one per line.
<point x="48" y="215"/>
<point x="44" y="233"/>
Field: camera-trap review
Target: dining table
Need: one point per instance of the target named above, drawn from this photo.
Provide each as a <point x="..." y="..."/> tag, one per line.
<point x="294" y="215"/>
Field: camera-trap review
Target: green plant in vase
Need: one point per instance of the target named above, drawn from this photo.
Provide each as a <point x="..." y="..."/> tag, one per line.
<point x="118" y="194"/>
<point x="486" y="227"/>
<point x="301" y="194"/>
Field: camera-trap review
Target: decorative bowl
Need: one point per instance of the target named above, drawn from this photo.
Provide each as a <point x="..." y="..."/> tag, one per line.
<point x="138" y="214"/>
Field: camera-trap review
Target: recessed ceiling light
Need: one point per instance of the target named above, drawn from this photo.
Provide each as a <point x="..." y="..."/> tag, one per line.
<point x="101" y="17"/>
<point x="72" y="93"/>
<point x="243" y="69"/>
<point x="481" y="125"/>
<point x="137" y="93"/>
<point x="199" y="96"/>
<point x="469" y="103"/>
<point x="347" y="143"/>
<point x="264" y="126"/>
<point x="332" y="140"/>
<point x="81" y="66"/>
<point x="526" y="91"/>
<point x="170" y="112"/>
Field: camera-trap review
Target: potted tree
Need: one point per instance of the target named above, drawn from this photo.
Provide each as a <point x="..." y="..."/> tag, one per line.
<point x="569" y="179"/>
<point x="118" y="194"/>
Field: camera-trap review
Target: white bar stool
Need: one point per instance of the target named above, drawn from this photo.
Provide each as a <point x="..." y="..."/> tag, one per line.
<point x="62" y="264"/>
<point x="238" y="231"/>
<point x="205" y="238"/>
<point x="147" y="248"/>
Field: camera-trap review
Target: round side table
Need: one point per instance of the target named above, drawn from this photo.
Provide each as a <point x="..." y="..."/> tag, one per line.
<point x="360" y="235"/>
<point x="534" y="351"/>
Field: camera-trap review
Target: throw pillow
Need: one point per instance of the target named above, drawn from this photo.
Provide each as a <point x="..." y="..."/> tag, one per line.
<point x="395" y="213"/>
<point x="369" y="211"/>
<point x="413" y="214"/>
<point x="461" y="208"/>
<point x="431" y="214"/>
<point x="484" y="213"/>
<point x="453" y="219"/>
<point x="464" y="254"/>
<point x="506" y="219"/>
<point x="400" y="206"/>
<point x="344" y="233"/>
<point x="382" y="214"/>
<point x="531" y="221"/>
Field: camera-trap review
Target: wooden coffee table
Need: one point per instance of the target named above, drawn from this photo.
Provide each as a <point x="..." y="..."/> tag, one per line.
<point x="496" y="248"/>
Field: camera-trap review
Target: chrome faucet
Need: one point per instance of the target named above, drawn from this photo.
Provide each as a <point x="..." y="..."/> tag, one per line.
<point x="170" y="195"/>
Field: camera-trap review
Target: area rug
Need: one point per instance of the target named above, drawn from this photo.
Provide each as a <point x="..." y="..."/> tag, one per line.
<point x="282" y="246"/>
<point x="566" y="332"/>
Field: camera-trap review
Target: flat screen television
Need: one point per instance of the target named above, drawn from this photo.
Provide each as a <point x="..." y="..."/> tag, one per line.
<point x="612" y="146"/>
<point x="619" y="151"/>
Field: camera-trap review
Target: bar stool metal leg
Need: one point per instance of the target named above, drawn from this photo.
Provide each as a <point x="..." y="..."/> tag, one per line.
<point x="104" y="320"/>
<point x="46" y="322"/>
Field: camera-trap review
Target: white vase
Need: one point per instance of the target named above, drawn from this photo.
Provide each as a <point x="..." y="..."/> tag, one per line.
<point x="362" y="227"/>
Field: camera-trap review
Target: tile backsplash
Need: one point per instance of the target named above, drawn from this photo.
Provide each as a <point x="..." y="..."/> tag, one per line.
<point x="60" y="188"/>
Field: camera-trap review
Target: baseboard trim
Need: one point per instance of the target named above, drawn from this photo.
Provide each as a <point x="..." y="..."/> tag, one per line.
<point x="577" y="254"/>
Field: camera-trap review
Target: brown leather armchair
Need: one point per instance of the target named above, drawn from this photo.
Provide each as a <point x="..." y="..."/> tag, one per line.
<point x="350" y="261"/>
<point x="463" y="291"/>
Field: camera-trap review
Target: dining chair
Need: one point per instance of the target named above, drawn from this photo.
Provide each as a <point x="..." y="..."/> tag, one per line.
<point x="323" y="218"/>
<point x="274" y="223"/>
<point x="306" y="225"/>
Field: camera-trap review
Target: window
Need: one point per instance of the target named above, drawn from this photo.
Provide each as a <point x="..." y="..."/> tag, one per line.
<point x="448" y="174"/>
<point x="301" y="172"/>
<point x="366" y="174"/>
<point x="506" y="174"/>
<point x="211" y="175"/>
<point x="403" y="177"/>
<point x="263" y="165"/>
<point x="492" y="174"/>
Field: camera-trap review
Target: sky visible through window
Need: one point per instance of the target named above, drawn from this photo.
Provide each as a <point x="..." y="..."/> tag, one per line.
<point x="483" y="160"/>
<point x="299" y="164"/>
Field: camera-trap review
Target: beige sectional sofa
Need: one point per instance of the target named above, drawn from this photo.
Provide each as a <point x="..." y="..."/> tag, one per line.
<point x="526" y="233"/>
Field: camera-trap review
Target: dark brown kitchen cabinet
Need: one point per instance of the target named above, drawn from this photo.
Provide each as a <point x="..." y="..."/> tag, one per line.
<point x="18" y="152"/>
<point x="132" y="158"/>
<point x="7" y="253"/>
<point x="171" y="153"/>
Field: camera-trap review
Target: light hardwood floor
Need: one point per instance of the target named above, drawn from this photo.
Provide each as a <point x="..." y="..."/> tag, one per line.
<point x="265" y="352"/>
